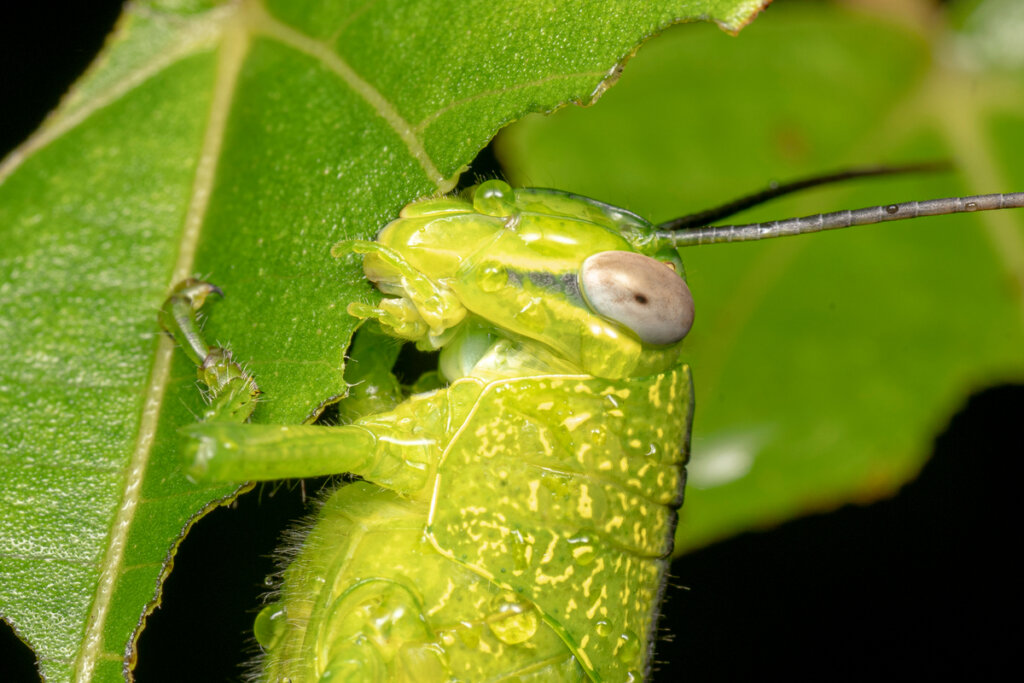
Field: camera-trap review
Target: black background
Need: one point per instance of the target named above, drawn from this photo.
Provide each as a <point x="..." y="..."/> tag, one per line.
<point x="922" y="586"/>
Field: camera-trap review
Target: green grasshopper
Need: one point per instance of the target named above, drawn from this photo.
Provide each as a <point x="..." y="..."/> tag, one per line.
<point x="515" y="514"/>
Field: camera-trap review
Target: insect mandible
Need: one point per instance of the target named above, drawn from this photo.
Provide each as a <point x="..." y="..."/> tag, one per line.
<point x="516" y="520"/>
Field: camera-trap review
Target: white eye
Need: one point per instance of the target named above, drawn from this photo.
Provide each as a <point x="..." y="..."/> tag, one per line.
<point x="642" y="293"/>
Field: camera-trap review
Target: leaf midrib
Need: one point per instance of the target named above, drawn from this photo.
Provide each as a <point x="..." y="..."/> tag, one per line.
<point x="233" y="48"/>
<point x="236" y="26"/>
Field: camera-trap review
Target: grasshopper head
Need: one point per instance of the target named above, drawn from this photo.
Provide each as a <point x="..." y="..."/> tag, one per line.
<point x="581" y="277"/>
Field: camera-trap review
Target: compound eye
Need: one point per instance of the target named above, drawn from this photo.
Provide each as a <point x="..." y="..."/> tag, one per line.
<point x="644" y="294"/>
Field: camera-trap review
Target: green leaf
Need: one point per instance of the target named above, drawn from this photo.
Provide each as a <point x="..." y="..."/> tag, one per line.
<point x="824" y="365"/>
<point x="238" y="141"/>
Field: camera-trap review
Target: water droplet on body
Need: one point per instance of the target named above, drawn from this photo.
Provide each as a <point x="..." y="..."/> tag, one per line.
<point x="493" y="279"/>
<point x="584" y="555"/>
<point x="582" y="550"/>
<point x="520" y="550"/>
<point x="470" y="636"/>
<point x="513" y="622"/>
<point x="629" y="646"/>
<point x="270" y="625"/>
<point x="514" y="628"/>
<point x="494" y="198"/>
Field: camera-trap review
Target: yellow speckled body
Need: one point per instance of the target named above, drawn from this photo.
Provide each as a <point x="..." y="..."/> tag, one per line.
<point x="563" y="491"/>
<point x="536" y="551"/>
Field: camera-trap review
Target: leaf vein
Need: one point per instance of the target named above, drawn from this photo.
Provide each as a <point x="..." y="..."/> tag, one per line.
<point x="268" y="25"/>
<point x="232" y="53"/>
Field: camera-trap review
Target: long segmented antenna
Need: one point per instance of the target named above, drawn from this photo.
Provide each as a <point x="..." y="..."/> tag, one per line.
<point x="714" y="234"/>
<point x="703" y="218"/>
